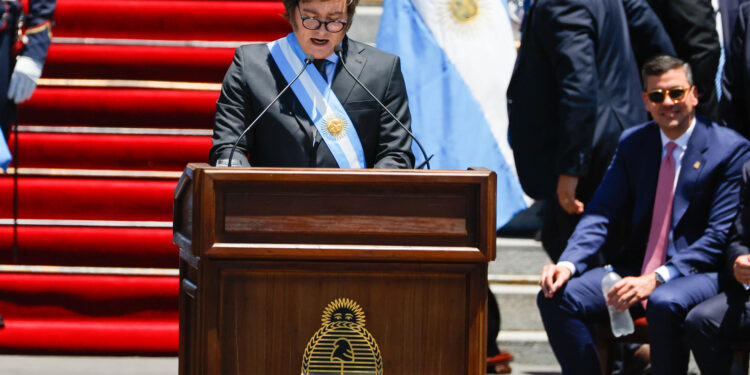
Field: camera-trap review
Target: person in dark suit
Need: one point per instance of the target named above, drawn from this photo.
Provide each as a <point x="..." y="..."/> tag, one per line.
<point x="735" y="102"/>
<point x="714" y="323"/>
<point x="351" y="130"/>
<point x="675" y="184"/>
<point x="692" y="27"/>
<point x="729" y="10"/>
<point x="574" y="88"/>
<point x="20" y="72"/>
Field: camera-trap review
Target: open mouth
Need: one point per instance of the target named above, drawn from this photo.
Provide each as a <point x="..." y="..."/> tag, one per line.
<point x="319" y="42"/>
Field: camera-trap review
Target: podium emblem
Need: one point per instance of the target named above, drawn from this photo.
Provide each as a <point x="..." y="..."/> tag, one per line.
<point x="342" y="345"/>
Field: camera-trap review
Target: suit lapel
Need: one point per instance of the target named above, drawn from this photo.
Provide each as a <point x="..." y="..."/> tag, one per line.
<point x="355" y="61"/>
<point x="692" y="165"/>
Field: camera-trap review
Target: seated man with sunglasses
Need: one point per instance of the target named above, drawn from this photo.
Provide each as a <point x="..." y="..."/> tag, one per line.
<point x="326" y="119"/>
<point x="674" y="183"/>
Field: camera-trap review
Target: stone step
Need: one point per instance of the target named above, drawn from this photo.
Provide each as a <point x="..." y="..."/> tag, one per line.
<point x="518" y="309"/>
<point x="518" y="256"/>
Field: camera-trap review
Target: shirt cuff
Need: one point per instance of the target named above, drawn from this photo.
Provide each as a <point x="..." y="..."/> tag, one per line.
<point x="568" y="265"/>
<point x="747" y="286"/>
<point x="666" y="272"/>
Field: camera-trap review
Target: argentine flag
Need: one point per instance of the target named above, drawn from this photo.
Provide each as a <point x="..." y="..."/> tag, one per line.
<point x="4" y="153"/>
<point x="457" y="57"/>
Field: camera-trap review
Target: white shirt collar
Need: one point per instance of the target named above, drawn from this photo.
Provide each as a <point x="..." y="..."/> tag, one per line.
<point x="682" y="140"/>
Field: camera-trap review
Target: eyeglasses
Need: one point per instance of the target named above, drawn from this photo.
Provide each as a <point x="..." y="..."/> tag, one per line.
<point x="677" y="94"/>
<point x="311" y="23"/>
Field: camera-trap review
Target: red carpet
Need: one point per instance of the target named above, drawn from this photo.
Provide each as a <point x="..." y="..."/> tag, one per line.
<point x="151" y="40"/>
<point x="88" y="314"/>
<point x="108" y="151"/>
<point x="90" y="199"/>
<point x="90" y="337"/>
<point x="120" y="107"/>
<point x="33" y="296"/>
<point x="91" y="246"/>
<point x="171" y="20"/>
<point x="138" y="62"/>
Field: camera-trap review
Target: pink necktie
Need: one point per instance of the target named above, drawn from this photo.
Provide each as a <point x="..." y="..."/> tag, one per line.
<point x="661" y="219"/>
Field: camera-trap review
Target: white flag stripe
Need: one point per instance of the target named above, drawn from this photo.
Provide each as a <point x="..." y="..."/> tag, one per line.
<point x="483" y="51"/>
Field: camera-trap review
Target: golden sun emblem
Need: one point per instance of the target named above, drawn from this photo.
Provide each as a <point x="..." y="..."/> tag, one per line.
<point x="342" y="345"/>
<point x="335" y="126"/>
<point x="464" y="10"/>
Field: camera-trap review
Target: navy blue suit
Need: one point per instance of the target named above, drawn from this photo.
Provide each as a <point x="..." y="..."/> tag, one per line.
<point x="575" y="87"/>
<point x="37" y="40"/>
<point x="705" y="203"/>
<point x="713" y="324"/>
<point x="735" y="102"/>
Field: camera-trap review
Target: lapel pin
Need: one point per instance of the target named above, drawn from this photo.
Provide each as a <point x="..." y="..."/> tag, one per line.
<point x="696" y="165"/>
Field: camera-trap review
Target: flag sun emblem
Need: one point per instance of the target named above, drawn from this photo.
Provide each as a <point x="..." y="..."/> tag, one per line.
<point x="464" y="10"/>
<point x="342" y="345"/>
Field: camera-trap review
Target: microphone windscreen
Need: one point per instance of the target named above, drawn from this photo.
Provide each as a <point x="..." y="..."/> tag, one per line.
<point x="337" y="48"/>
<point x="309" y="58"/>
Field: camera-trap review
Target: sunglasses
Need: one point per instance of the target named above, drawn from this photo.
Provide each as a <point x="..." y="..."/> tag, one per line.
<point x="677" y="94"/>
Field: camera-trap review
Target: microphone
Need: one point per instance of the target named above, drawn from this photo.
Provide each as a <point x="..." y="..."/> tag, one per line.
<point x="339" y="51"/>
<point x="308" y="60"/>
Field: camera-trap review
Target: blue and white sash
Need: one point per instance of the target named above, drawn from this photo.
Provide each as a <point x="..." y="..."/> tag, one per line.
<point x="320" y="103"/>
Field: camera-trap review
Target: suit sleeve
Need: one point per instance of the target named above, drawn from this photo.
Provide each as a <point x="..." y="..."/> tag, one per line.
<point x="734" y="95"/>
<point x="707" y="252"/>
<point x="231" y="115"/>
<point x="38" y="29"/>
<point x="606" y="205"/>
<point x="647" y="34"/>
<point x="394" y="143"/>
<point x="570" y="40"/>
<point x="738" y="240"/>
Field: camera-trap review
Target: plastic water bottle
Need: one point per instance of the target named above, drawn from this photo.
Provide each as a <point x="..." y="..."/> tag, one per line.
<point x="621" y="322"/>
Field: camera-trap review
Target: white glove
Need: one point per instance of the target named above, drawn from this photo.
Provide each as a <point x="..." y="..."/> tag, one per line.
<point x="24" y="79"/>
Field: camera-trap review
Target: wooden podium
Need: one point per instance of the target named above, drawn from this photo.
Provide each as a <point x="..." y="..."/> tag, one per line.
<point x="263" y="252"/>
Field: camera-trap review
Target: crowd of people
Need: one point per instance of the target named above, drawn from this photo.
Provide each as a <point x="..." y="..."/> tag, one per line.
<point x="656" y="199"/>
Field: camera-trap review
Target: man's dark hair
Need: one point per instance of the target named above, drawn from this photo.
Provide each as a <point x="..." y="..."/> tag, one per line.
<point x="662" y="64"/>
<point x="289" y="6"/>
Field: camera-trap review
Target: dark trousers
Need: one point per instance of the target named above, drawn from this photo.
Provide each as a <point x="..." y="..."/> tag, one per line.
<point x="713" y="324"/>
<point x="580" y="303"/>
<point x="493" y="324"/>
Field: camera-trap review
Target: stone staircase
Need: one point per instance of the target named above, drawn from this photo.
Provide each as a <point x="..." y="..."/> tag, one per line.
<point x="513" y="279"/>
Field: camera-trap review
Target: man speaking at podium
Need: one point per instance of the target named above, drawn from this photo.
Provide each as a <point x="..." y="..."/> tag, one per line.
<point x="325" y="119"/>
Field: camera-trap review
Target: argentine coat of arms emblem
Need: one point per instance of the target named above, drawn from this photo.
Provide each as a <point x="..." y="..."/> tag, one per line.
<point x="342" y="345"/>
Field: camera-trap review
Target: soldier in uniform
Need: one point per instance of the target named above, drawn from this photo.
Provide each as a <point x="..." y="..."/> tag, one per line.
<point x="24" y="41"/>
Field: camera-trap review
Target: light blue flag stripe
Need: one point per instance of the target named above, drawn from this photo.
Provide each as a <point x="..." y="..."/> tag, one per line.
<point x="445" y="115"/>
<point x="5" y="156"/>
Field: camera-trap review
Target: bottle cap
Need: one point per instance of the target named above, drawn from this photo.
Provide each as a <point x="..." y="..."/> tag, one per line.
<point x="608" y="268"/>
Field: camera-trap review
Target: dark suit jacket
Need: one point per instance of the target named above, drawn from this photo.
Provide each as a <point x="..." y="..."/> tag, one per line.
<point x="729" y="10"/>
<point x="735" y="102"/>
<point x="705" y="202"/>
<point x="740" y="236"/>
<point x="692" y="27"/>
<point x="286" y="137"/>
<point x="574" y="88"/>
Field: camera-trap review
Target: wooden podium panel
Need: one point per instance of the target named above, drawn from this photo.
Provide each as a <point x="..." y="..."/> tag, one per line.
<point x="264" y="252"/>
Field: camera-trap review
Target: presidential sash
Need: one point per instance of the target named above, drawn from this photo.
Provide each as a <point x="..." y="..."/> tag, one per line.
<point x="320" y="103"/>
